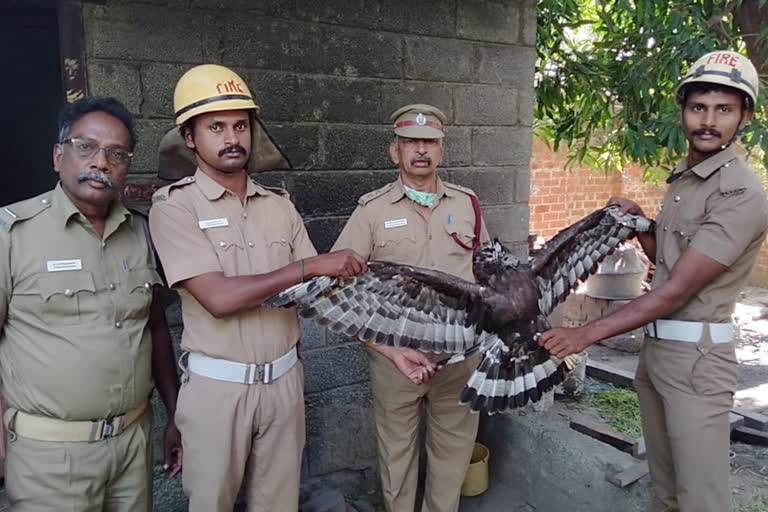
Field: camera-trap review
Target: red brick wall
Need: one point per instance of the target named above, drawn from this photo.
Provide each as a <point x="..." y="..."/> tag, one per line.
<point x="559" y="197"/>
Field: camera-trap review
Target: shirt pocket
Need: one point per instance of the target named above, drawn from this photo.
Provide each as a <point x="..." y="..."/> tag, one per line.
<point x="138" y="285"/>
<point x="394" y="244"/>
<point x="455" y="233"/>
<point x="67" y="297"/>
<point x="229" y="246"/>
<point x="279" y="251"/>
<point x="677" y="238"/>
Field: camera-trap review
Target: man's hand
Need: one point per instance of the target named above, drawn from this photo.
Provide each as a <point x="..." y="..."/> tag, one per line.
<point x="344" y="264"/>
<point x="564" y="341"/>
<point x="626" y="206"/>
<point x="413" y="364"/>
<point x="172" y="448"/>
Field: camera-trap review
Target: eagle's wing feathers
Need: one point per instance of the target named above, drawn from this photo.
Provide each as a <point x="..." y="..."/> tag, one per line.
<point x="396" y="305"/>
<point x="574" y="253"/>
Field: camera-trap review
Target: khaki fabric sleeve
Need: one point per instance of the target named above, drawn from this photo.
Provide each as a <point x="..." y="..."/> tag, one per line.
<point x="484" y="236"/>
<point x="356" y="235"/>
<point x="183" y="248"/>
<point x="302" y="245"/>
<point x="734" y="223"/>
<point x="5" y="275"/>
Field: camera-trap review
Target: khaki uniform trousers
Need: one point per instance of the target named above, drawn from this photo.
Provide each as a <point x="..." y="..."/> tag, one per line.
<point x="686" y="392"/>
<point x="451" y="432"/>
<point x="113" y="475"/>
<point x="232" y="431"/>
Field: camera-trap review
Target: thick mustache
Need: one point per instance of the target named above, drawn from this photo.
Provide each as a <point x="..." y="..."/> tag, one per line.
<point x="421" y="159"/>
<point x="95" y="176"/>
<point x="704" y="131"/>
<point x="233" y="149"/>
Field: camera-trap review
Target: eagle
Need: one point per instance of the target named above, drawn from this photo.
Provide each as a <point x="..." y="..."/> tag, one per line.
<point x="501" y="315"/>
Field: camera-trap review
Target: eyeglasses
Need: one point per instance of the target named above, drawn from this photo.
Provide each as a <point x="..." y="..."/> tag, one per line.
<point x="88" y="148"/>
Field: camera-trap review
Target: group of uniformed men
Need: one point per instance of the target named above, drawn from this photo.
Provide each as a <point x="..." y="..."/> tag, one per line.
<point x="84" y="337"/>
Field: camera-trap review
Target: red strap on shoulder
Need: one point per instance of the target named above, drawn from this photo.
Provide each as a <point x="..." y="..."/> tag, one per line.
<point x="478" y="222"/>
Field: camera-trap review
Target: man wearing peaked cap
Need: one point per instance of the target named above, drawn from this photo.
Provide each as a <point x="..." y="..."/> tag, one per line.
<point x="709" y="230"/>
<point x="227" y="244"/>
<point x="420" y="220"/>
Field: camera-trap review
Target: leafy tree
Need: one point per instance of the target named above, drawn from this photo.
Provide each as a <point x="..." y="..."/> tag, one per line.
<point x="607" y="71"/>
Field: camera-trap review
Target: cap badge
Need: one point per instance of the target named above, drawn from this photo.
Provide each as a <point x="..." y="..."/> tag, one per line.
<point x="421" y="119"/>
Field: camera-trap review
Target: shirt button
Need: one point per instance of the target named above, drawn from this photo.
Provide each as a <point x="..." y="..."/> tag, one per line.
<point x="251" y="244"/>
<point x="222" y="244"/>
<point x="677" y="198"/>
<point x="44" y="201"/>
<point x="147" y="286"/>
<point x="245" y="215"/>
<point x="666" y="228"/>
<point x="118" y="325"/>
<point x="68" y="292"/>
<point x="111" y="286"/>
<point x="661" y="260"/>
<point x="726" y="165"/>
<point x="682" y="234"/>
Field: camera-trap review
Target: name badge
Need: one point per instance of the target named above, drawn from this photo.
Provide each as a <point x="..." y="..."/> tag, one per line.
<point x="213" y="223"/>
<point x="61" y="265"/>
<point x="395" y="223"/>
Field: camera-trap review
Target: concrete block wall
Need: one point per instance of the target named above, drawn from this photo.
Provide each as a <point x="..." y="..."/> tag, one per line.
<point x="327" y="75"/>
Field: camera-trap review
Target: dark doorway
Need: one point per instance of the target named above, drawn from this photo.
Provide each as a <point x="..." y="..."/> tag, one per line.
<point x="31" y="97"/>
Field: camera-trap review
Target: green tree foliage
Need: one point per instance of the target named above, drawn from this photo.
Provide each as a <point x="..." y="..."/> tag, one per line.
<point x="607" y="71"/>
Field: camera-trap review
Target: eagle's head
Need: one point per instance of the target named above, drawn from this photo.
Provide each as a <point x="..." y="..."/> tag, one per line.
<point x="493" y="258"/>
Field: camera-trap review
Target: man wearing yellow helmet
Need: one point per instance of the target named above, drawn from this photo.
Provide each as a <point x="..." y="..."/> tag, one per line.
<point x="227" y="244"/>
<point x="710" y="227"/>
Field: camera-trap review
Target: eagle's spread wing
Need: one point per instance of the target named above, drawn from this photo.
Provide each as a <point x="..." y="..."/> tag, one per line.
<point x="397" y="305"/>
<point x="574" y="253"/>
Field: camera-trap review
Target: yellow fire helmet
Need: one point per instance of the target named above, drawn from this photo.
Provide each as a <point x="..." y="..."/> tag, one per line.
<point x="725" y="68"/>
<point x="210" y="88"/>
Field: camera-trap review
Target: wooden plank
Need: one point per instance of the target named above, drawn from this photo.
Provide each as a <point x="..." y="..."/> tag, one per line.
<point x="605" y="434"/>
<point x="750" y="435"/>
<point x="735" y="421"/>
<point x="752" y="419"/>
<point x="630" y="475"/>
<point x="610" y="373"/>
<point x="639" y="450"/>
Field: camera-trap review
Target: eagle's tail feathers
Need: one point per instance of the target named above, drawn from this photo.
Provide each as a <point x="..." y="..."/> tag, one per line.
<point x="499" y="383"/>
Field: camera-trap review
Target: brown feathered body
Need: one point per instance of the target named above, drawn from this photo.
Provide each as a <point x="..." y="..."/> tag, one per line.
<point x="499" y="316"/>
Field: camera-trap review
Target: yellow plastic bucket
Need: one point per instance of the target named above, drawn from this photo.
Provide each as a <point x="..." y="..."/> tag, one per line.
<point x="476" y="479"/>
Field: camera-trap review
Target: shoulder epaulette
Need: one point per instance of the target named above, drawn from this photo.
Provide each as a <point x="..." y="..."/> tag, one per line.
<point x="736" y="178"/>
<point x="23" y="210"/>
<point x="370" y="196"/>
<point x="162" y="193"/>
<point x="466" y="190"/>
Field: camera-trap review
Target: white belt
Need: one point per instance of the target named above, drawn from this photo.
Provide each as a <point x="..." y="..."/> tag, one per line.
<point x="690" y="332"/>
<point x="230" y="371"/>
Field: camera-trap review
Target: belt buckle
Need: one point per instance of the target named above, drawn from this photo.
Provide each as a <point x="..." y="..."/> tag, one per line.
<point x="265" y="373"/>
<point x="107" y="430"/>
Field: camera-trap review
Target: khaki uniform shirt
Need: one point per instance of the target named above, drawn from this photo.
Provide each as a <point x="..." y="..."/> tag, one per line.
<point x="718" y="207"/>
<point x="198" y="227"/>
<point x="74" y="309"/>
<point x="387" y="226"/>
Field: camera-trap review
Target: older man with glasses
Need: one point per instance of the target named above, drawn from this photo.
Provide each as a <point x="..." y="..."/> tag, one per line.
<point x="81" y="334"/>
